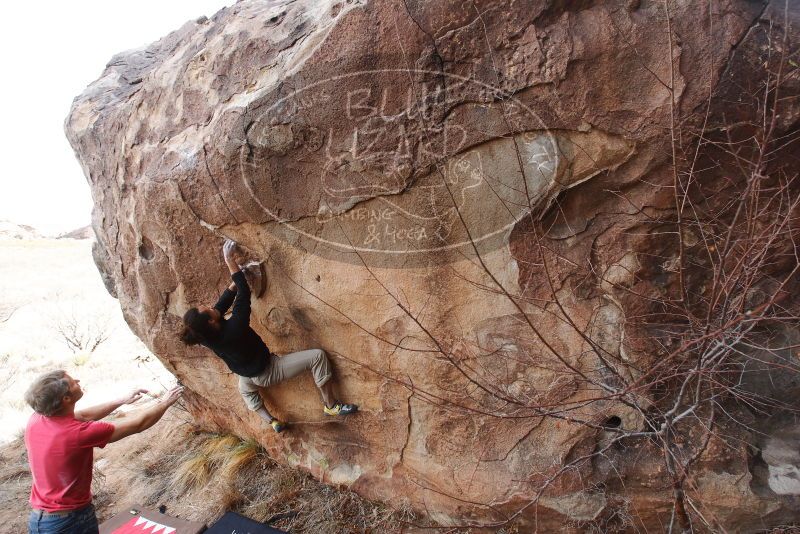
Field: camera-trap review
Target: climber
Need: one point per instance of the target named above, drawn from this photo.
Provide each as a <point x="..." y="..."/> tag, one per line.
<point x="60" y="442"/>
<point x="246" y="354"/>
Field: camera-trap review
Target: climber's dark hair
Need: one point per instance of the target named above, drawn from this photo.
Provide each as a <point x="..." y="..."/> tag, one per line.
<point x="196" y="327"/>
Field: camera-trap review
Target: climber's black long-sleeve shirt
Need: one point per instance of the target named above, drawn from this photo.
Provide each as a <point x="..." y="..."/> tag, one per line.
<point x="237" y="344"/>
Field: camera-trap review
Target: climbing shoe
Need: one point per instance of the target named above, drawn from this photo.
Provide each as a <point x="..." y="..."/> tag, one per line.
<point x="277" y="426"/>
<point x="341" y="409"/>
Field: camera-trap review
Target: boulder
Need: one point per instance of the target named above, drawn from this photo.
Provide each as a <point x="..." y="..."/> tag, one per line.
<point x="452" y="199"/>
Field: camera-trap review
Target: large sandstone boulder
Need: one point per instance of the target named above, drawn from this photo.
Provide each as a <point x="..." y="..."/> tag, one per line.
<point x="454" y="200"/>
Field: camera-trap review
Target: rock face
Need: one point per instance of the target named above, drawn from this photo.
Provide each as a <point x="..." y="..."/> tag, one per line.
<point x="452" y="199"/>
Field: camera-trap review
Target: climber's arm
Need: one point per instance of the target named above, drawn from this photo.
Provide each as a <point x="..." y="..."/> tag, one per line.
<point x="228" y="296"/>
<point x="240" y="318"/>
<point x="226" y="299"/>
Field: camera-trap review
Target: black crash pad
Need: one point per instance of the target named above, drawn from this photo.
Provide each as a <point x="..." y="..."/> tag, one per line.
<point x="232" y="522"/>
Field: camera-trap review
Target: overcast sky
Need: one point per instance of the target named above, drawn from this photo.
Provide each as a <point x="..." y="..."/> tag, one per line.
<point x="49" y="52"/>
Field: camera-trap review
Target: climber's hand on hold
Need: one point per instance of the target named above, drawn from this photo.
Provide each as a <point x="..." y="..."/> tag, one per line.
<point x="228" y="253"/>
<point x="228" y="248"/>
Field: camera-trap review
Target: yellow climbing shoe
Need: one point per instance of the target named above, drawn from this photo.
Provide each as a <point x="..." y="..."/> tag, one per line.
<point x="341" y="409"/>
<point x="277" y="426"/>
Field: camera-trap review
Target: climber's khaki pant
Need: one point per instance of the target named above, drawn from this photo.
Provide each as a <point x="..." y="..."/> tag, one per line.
<point x="283" y="368"/>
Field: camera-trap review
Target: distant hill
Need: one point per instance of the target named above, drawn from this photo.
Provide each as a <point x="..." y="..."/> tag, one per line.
<point x="84" y="232"/>
<point x="10" y="230"/>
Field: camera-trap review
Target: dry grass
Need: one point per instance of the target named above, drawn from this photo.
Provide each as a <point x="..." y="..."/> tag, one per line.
<point x="222" y="455"/>
<point x="192" y="473"/>
<point x="241" y="455"/>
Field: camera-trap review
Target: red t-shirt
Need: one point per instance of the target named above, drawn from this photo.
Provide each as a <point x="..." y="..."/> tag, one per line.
<point x="60" y="451"/>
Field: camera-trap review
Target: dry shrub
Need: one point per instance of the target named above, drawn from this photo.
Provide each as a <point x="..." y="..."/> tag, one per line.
<point x="220" y="458"/>
<point x="192" y="473"/>
<point x="240" y="456"/>
<point x="217" y="448"/>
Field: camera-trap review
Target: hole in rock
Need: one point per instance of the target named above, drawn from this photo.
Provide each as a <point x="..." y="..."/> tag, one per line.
<point x="275" y="19"/>
<point x="612" y="422"/>
<point x="146" y="249"/>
